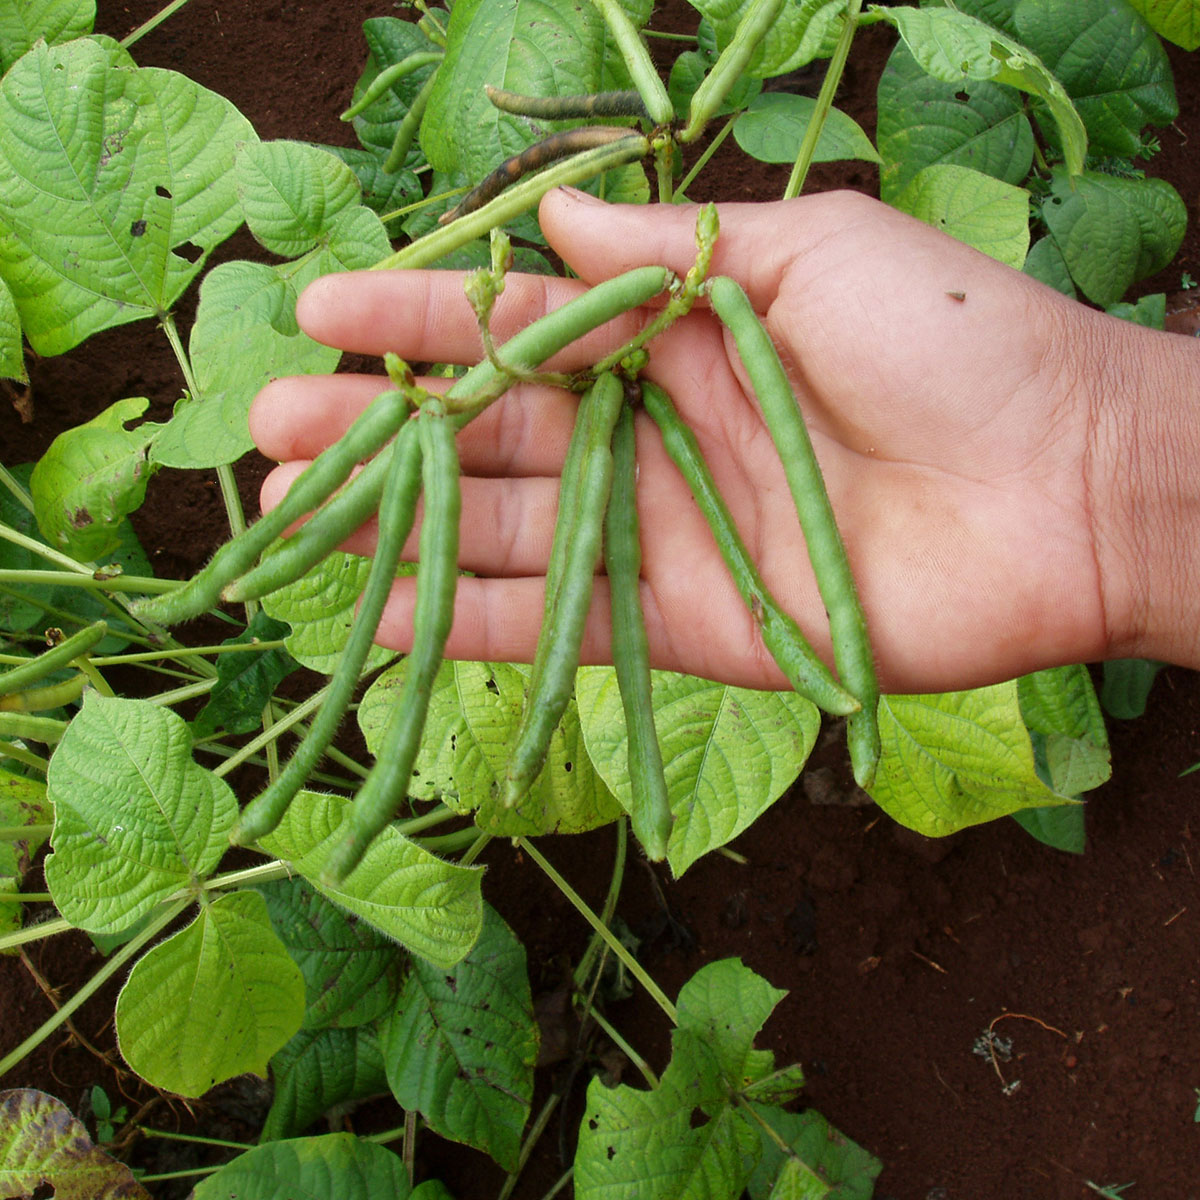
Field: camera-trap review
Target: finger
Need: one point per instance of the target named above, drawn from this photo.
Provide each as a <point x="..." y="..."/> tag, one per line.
<point x="424" y="316"/>
<point x="525" y="434"/>
<point x="599" y="240"/>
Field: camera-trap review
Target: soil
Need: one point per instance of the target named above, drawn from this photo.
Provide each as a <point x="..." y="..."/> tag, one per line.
<point x="899" y="954"/>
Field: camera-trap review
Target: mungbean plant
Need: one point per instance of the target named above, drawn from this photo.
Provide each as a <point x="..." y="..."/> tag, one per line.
<point x="458" y="144"/>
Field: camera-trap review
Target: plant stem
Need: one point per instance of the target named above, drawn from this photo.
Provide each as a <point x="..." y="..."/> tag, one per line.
<point x="180" y="1174"/>
<point x="610" y="904"/>
<point x="280" y="727"/>
<point x="535" y="1132"/>
<point x="626" y="1049"/>
<point x="515" y="201"/>
<point x="19" y="493"/>
<point x="110" y="968"/>
<point x="34" y="933"/>
<point x="21" y="755"/>
<point x="824" y="102"/>
<point x="19" y="833"/>
<point x="634" y="967"/>
<point x="121" y="660"/>
<point x="25" y="897"/>
<point x="153" y="23"/>
<point x="702" y="161"/>
<point x="180" y="694"/>
<point x="559" y="1184"/>
<point x="476" y="849"/>
<point x="86" y="579"/>
<point x="166" y="1135"/>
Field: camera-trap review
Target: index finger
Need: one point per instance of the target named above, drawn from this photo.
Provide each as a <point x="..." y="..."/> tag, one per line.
<point x="425" y="316"/>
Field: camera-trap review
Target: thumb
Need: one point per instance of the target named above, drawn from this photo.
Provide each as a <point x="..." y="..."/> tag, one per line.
<point x="757" y="242"/>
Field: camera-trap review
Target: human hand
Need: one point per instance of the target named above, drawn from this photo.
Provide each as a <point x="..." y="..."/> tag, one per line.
<point x="971" y="446"/>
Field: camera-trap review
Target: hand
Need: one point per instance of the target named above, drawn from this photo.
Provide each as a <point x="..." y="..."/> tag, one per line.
<point x="973" y="427"/>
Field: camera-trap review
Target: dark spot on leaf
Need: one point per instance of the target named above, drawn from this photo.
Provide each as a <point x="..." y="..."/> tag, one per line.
<point x="452" y="983"/>
<point x="697" y="1119"/>
<point x="190" y="251"/>
<point x="568" y="767"/>
<point x="611" y="1152"/>
<point x="163" y="192"/>
<point x="467" y="1032"/>
<point x="81" y="518"/>
<point x="43" y="1191"/>
<point x="137" y="229"/>
<point x="492" y="686"/>
<point x="593" y="1124"/>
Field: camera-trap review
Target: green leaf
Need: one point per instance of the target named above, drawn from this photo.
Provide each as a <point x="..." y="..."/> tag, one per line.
<point x="23" y="22"/>
<point x="42" y="1145"/>
<point x="291" y="192"/>
<point x="320" y="1069"/>
<point x="728" y="753"/>
<point x="984" y="212"/>
<point x="245" y="681"/>
<point x="774" y="125"/>
<point x="1112" y="232"/>
<point x="431" y="907"/>
<point x="336" y="1166"/>
<point x="22" y="802"/>
<point x="1061" y="711"/>
<point x="382" y="192"/>
<point x="1110" y="62"/>
<point x="803" y="30"/>
<point x="1045" y="262"/>
<point x="1176" y="20"/>
<point x="12" y="351"/>
<point x="461" y="1045"/>
<point x="474" y="712"/>
<point x="829" y="1161"/>
<point x="956" y="759"/>
<point x="1126" y="686"/>
<point x="245" y="334"/>
<point x="351" y="971"/>
<point x="924" y="122"/>
<point x="1059" y="828"/>
<point x="953" y="46"/>
<point x="535" y="47"/>
<point x="135" y="818"/>
<point x="389" y="41"/>
<point x="1147" y="311"/>
<point x="656" y="1145"/>
<point x="115" y="183"/>
<point x="91" y="477"/>
<point x="215" y="1000"/>
<point x="320" y="608"/>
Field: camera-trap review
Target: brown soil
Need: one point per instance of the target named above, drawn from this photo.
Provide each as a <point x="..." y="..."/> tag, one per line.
<point x="898" y="953"/>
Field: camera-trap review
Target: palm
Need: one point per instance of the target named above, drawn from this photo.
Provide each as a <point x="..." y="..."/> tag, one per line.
<point x="941" y="437"/>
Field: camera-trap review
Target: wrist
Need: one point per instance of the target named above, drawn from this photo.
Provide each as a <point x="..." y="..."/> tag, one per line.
<point x="1143" y="480"/>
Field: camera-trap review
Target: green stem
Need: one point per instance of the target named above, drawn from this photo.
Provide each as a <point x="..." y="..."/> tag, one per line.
<point x="25" y="897"/>
<point x="535" y="1132"/>
<point x="166" y="1135"/>
<point x="84" y="578"/>
<point x="515" y="201"/>
<point x="268" y="735"/>
<point x="477" y="848"/>
<point x="634" y="967"/>
<point x="449" y="843"/>
<point x="21" y="496"/>
<point x="634" y="1057"/>
<point x="122" y="660"/>
<point x="702" y="161"/>
<point x="560" y="1183"/>
<point x="610" y="904"/>
<point x="110" y="968"/>
<point x="34" y="933"/>
<point x="181" y="694"/>
<point x="153" y="23"/>
<point x="180" y="1174"/>
<point x="21" y="755"/>
<point x="824" y="102"/>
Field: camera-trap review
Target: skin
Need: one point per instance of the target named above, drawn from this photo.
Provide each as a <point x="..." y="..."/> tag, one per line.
<point x="1013" y="473"/>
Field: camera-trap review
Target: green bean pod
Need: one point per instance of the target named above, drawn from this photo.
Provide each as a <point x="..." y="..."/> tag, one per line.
<point x="847" y="623"/>
<point x="327" y="472"/>
<point x="650" y="805"/>
<point x="437" y="577"/>
<point x="534" y="158"/>
<point x="40" y="699"/>
<point x="638" y="62"/>
<point x="321" y="534"/>
<point x="545" y="337"/>
<point x="406" y="132"/>
<point x="727" y="70"/>
<point x="565" y="108"/>
<point x="27" y="728"/>
<point x="389" y="77"/>
<point x="807" y="674"/>
<point x="397" y="512"/>
<point x="54" y="659"/>
<point x="560" y="640"/>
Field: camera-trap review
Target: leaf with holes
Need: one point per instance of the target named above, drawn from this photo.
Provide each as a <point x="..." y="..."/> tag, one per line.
<point x="42" y="1145"/>
<point x="115" y="183"/>
<point x="461" y="1045"/>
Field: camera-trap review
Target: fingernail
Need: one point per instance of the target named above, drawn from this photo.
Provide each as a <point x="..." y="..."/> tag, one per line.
<point x="580" y="195"/>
